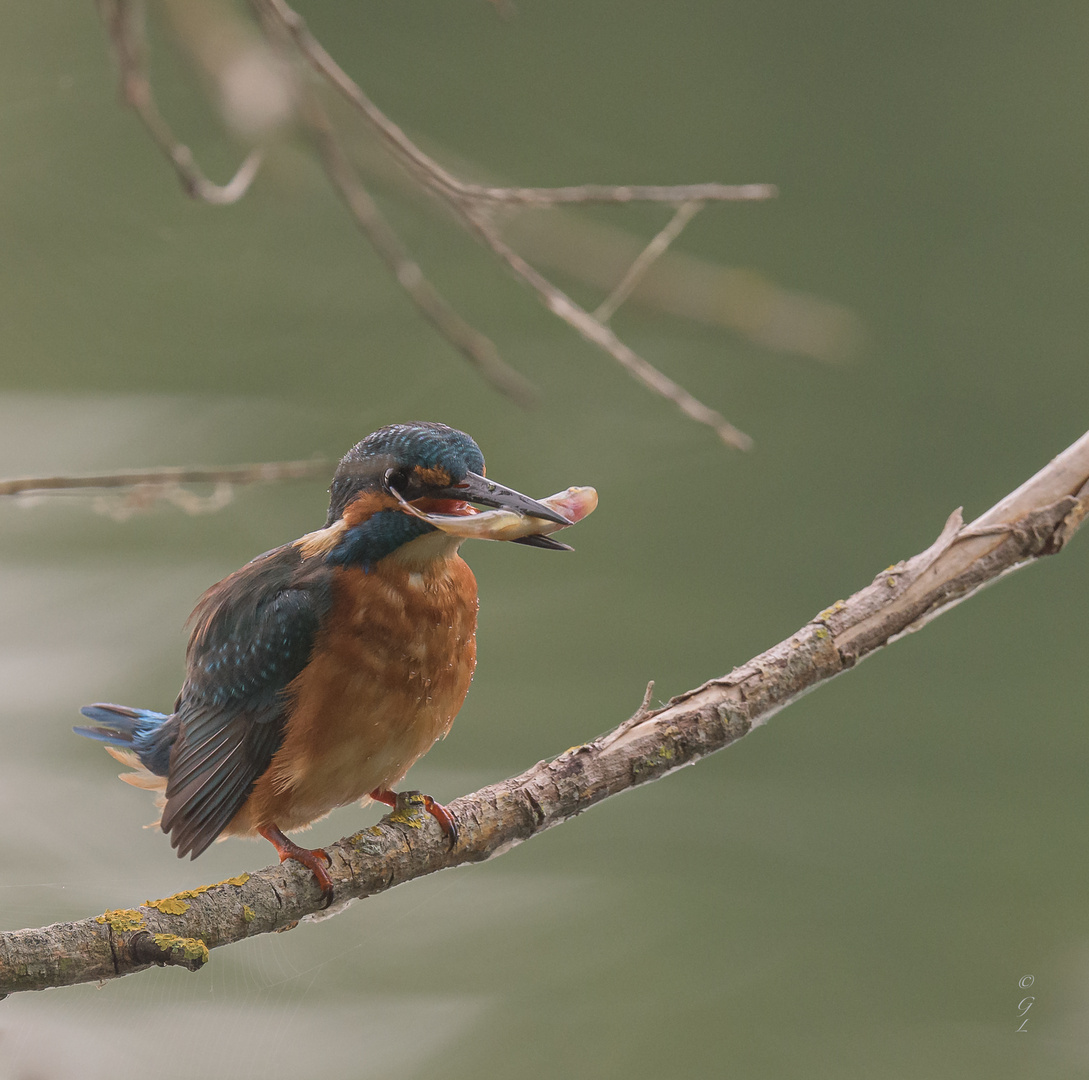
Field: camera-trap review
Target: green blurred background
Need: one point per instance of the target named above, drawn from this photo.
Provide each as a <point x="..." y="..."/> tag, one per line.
<point x="853" y="892"/>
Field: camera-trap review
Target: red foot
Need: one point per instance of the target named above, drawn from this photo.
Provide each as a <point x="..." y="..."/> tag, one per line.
<point x="310" y="858"/>
<point x="439" y="812"/>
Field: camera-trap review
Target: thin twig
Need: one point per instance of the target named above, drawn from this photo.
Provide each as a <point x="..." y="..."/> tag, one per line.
<point x="478" y="349"/>
<point x="123" y="19"/>
<point x="618" y="193"/>
<point x="560" y="304"/>
<point x="595" y="253"/>
<point x="453" y="188"/>
<point x="124" y="26"/>
<point x="1036" y="520"/>
<point x="266" y="472"/>
<point x="683" y="215"/>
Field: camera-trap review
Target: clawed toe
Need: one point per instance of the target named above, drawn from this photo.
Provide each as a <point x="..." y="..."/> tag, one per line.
<point x="403" y="801"/>
<point x="316" y="860"/>
<point x="446" y="820"/>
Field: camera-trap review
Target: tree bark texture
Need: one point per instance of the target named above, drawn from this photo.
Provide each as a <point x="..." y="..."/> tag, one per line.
<point x="1035" y="520"/>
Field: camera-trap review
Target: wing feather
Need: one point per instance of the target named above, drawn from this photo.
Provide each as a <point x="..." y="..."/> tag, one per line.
<point x="252" y="635"/>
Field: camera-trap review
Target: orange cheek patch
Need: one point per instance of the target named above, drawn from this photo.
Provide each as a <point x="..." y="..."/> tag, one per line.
<point x="435" y="477"/>
<point x="365" y="505"/>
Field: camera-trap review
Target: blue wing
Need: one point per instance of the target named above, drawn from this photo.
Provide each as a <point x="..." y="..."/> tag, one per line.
<point x="253" y="633"/>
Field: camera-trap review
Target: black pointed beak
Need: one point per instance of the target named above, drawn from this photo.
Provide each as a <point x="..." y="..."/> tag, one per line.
<point x="479" y="489"/>
<point x="545" y="542"/>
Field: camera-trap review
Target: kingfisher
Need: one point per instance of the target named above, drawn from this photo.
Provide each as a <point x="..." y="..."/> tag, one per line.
<point x="320" y="671"/>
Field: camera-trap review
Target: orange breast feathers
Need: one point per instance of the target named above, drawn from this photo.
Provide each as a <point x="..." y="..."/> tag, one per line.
<point x="388" y="674"/>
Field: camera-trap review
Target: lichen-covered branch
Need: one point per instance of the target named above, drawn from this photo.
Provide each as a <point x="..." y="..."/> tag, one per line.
<point x="1035" y="520"/>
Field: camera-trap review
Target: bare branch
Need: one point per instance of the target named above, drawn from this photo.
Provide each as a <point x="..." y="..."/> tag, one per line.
<point x="124" y="20"/>
<point x="589" y="250"/>
<point x="683" y="215"/>
<point x="616" y="193"/>
<point x="468" y="201"/>
<point x="267" y="472"/>
<point x="124" y="23"/>
<point x="1035" y="520"/>
<point x="743" y="300"/>
<point x="478" y="349"/>
<point x="559" y="303"/>
<point x="435" y="176"/>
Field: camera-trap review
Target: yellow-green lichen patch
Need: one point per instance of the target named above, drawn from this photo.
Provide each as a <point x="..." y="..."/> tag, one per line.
<point x="121" y="921"/>
<point x="821" y="633"/>
<point x="410" y="816"/>
<point x="176" y="904"/>
<point x="828" y="612"/>
<point x="662" y="756"/>
<point x="411" y="809"/>
<point x="248" y="914"/>
<point x="190" y="948"/>
<point x="891" y="582"/>
<point x="172" y="905"/>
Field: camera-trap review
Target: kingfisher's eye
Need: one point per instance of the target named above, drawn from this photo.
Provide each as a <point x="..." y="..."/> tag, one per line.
<point x="396" y="480"/>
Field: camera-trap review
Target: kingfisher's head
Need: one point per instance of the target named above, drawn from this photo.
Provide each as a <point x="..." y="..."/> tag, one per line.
<point x="416" y="460"/>
<point x="436" y="468"/>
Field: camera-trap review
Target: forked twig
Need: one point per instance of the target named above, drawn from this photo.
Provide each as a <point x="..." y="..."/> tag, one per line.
<point x="443" y="181"/>
<point x="560" y="304"/>
<point x="470" y="201"/>
<point x="124" y="26"/>
<point x="478" y="349"/>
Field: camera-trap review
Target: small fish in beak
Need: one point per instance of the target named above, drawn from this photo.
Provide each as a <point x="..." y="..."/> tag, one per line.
<point x="507" y="524"/>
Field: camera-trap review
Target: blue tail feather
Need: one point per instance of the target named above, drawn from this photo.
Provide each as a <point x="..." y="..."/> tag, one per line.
<point x="150" y="734"/>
